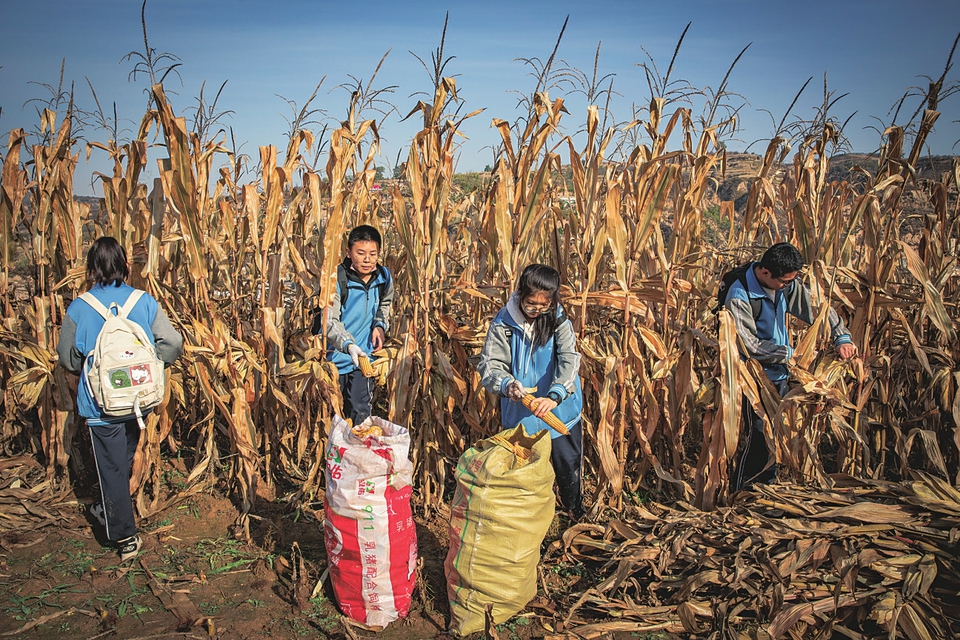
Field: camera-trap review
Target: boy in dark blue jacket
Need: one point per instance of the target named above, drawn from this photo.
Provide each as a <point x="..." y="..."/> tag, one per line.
<point x="773" y="281"/>
<point x="359" y="317"/>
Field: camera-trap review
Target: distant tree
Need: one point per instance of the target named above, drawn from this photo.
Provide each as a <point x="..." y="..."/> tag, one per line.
<point x="398" y="171"/>
<point x="467" y="182"/>
<point x="487" y="169"/>
<point x="381" y="173"/>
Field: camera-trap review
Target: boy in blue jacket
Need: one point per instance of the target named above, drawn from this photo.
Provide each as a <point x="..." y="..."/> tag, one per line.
<point x="359" y="317"/>
<point x="772" y="285"/>
<point x="114" y="440"/>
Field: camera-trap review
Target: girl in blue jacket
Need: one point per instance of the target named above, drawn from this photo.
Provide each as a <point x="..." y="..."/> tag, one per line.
<point x="114" y="440"/>
<point x="531" y="348"/>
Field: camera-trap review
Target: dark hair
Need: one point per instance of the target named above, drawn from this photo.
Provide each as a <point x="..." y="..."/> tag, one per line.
<point x="107" y="262"/>
<point x="539" y="278"/>
<point x="782" y="258"/>
<point x="364" y="232"/>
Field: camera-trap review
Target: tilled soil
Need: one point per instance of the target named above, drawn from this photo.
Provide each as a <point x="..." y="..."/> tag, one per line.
<point x="67" y="582"/>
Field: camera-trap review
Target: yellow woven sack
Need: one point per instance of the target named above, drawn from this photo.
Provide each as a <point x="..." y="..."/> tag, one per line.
<point x="502" y="508"/>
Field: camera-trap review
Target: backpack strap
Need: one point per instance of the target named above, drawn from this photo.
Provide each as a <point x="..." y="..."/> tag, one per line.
<point x="342" y="285"/>
<point x="91" y="300"/>
<point x="130" y="303"/>
<point x="756" y="304"/>
<point x="383" y="285"/>
<point x="122" y="312"/>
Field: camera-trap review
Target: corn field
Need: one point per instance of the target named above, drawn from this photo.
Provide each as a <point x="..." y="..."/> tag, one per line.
<point x="241" y="267"/>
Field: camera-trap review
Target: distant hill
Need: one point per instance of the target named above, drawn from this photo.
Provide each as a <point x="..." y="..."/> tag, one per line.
<point x="742" y="168"/>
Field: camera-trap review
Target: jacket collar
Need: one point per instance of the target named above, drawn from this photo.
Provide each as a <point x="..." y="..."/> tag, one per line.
<point x="756" y="290"/>
<point x="514" y="316"/>
<point x="375" y="278"/>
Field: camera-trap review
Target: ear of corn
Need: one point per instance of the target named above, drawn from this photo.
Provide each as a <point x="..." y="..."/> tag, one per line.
<point x="365" y="431"/>
<point x="550" y="418"/>
<point x="365" y="367"/>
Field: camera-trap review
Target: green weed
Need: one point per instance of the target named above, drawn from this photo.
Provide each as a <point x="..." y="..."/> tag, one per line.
<point x="510" y="626"/>
<point x="323" y="614"/>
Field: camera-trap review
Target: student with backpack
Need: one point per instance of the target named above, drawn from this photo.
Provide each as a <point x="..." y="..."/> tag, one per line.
<point x="759" y="296"/>
<point x="531" y="348"/>
<point x="121" y="377"/>
<point x="358" y="318"/>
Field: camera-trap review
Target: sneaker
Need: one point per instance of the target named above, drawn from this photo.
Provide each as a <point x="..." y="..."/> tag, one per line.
<point x="129" y="547"/>
<point x="97" y="512"/>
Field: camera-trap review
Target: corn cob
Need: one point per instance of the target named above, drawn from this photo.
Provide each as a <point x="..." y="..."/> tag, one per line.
<point x="552" y="420"/>
<point x="365" y="367"/>
<point x="364" y="431"/>
<point x="518" y="450"/>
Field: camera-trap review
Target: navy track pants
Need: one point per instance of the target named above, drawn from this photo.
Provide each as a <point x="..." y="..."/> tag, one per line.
<point x="113" y="448"/>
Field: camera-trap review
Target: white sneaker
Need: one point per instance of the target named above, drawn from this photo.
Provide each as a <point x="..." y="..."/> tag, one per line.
<point x="130" y="547"/>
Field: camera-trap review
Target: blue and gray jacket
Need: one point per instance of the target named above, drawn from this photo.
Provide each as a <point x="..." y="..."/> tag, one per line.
<point x="766" y="339"/>
<point x="82" y="324"/>
<point x="509" y="354"/>
<point x="352" y="321"/>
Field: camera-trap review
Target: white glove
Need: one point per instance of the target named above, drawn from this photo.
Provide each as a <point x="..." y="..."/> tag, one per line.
<point x="515" y="391"/>
<point x="355" y="354"/>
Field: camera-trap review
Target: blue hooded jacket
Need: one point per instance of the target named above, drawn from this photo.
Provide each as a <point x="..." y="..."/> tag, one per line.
<point x="766" y="338"/>
<point x="82" y="325"/>
<point x="509" y="354"/>
<point x="367" y="307"/>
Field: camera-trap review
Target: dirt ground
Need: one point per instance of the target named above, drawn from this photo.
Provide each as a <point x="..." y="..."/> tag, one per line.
<point x="67" y="583"/>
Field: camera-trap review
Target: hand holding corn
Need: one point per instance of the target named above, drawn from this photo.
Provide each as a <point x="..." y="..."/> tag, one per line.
<point x="552" y="420"/>
<point x="355" y="353"/>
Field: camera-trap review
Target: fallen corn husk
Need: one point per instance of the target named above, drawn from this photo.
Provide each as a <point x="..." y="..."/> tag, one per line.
<point x="552" y="420"/>
<point x="871" y="553"/>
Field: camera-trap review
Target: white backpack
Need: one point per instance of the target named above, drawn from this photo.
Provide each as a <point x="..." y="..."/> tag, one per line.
<point x="123" y="373"/>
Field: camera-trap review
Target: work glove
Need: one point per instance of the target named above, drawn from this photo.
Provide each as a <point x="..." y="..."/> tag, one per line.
<point x="355" y="354"/>
<point x="515" y="391"/>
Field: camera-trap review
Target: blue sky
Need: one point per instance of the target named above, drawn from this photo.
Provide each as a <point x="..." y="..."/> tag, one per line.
<point x="871" y="50"/>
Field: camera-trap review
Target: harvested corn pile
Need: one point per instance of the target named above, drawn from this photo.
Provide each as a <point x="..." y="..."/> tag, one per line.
<point x="862" y="560"/>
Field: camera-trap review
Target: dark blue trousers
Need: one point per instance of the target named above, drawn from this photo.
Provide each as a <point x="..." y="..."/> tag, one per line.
<point x="113" y="448"/>
<point x="356" y="390"/>
<point x="566" y="456"/>
<point x="755" y="455"/>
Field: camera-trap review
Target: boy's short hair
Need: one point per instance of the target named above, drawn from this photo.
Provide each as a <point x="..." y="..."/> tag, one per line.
<point x="782" y="258"/>
<point x="364" y="233"/>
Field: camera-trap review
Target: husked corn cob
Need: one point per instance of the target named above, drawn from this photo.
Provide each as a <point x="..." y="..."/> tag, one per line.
<point x="518" y="450"/>
<point x="552" y="420"/>
<point x="370" y="430"/>
<point x="365" y="367"/>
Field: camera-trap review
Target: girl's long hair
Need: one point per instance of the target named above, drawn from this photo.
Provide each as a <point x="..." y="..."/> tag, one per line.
<point x="539" y="278"/>
<point x="107" y="262"/>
